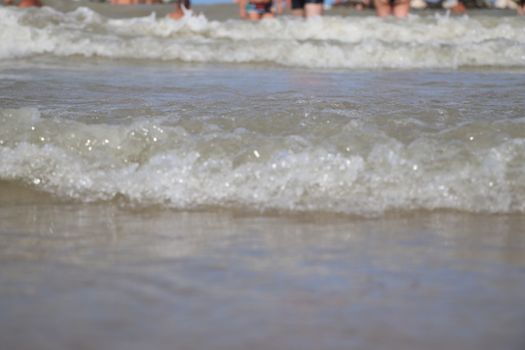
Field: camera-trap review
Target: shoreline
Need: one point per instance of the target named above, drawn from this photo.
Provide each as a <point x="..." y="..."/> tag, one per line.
<point x="223" y="12"/>
<point x="223" y="281"/>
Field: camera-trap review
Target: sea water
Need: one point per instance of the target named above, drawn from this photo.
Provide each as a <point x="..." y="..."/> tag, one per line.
<point x="335" y="183"/>
<point x="346" y="115"/>
<point x="330" y="42"/>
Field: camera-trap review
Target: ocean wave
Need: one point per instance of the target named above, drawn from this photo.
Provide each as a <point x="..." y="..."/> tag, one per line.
<point x="178" y="165"/>
<point x="329" y="42"/>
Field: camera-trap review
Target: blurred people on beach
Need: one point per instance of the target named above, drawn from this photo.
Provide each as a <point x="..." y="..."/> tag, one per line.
<point x="255" y="10"/>
<point x="30" y="3"/>
<point x="521" y="7"/>
<point x="180" y="7"/>
<point x="358" y="5"/>
<point x="24" y="3"/>
<point x="397" y="8"/>
<point x="135" y="2"/>
<point x="306" y="8"/>
<point x="455" y="6"/>
<point x="361" y="5"/>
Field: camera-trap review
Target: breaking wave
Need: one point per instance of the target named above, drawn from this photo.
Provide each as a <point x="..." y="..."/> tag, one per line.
<point x="329" y="42"/>
<point x="356" y="168"/>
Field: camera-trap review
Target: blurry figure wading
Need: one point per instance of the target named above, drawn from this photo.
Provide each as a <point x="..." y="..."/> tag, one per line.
<point x="398" y="8"/>
<point x="180" y="6"/>
<point x="25" y="3"/>
<point x="306" y="8"/>
<point x="521" y="7"/>
<point x="258" y="9"/>
<point x="135" y="2"/>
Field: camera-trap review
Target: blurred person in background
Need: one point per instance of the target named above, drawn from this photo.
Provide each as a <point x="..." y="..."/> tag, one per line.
<point x="521" y="7"/>
<point x="306" y="8"/>
<point x="398" y="8"/>
<point x="455" y="6"/>
<point x="258" y="9"/>
<point x="180" y="7"/>
<point x="135" y="2"/>
<point x="25" y="3"/>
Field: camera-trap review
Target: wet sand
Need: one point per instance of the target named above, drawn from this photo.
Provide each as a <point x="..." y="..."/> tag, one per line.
<point x="105" y="277"/>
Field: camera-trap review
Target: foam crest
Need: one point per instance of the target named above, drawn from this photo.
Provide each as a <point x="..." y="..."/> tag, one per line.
<point x="155" y="162"/>
<point x="330" y="42"/>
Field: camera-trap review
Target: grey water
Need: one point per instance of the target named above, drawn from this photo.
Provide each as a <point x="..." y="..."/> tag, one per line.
<point x="176" y="186"/>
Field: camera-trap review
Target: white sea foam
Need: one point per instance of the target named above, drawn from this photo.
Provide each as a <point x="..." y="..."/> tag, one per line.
<point x="152" y="162"/>
<point x="330" y="42"/>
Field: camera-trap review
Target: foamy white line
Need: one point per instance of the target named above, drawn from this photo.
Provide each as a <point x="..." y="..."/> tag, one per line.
<point x="333" y="184"/>
<point x="320" y="43"/>
<point x="391" y="176"/>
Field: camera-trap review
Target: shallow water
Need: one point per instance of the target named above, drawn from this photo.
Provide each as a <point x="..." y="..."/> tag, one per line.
<point x="95" y="109"/>
<point x="329" y="191"/>
<point x="99" y="277"/>
<point x="266" y="138"/>
<point x="436" y="41"/>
